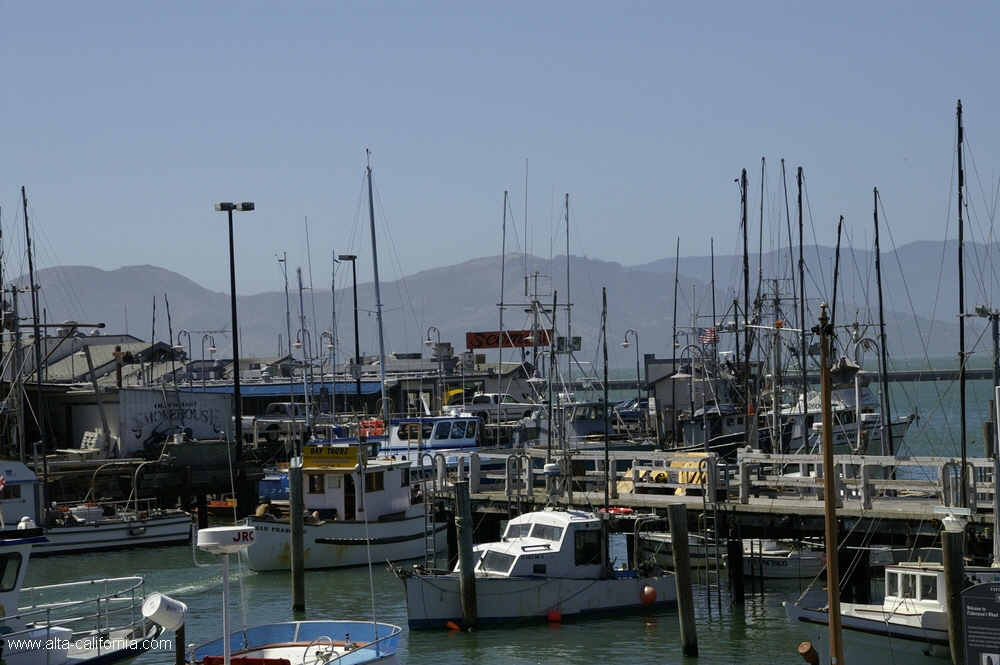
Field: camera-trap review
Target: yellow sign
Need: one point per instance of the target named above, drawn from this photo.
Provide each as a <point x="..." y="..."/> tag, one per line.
<point x="330" y="456"/>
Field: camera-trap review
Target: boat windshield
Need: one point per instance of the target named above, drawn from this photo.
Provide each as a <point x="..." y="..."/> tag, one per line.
<point x="496" y="562"/>
<point x="10" y="564"/>
<point x="547" y="532"/>
<point x="517" y="531"/>
<point x="415" y="431"/>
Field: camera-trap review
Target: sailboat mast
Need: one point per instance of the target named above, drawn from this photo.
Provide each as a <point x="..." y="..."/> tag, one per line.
<point x="961" y="308"/>
<point x="569" y="308"/>
<point x="41" y="499"/>
<point x="378" y="299"/>
<point x="503" y="272"/>
<point x="885" y="418"/>
<point x="836" y="272"/>
<point x="673" y="392"/>
<point x="746" y="300"/>
<point x="803" y="351"/>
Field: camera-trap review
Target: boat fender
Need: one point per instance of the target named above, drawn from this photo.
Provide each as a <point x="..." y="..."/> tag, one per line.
<point x="554" y="616"/>
<point x="648" y="595"/>
<point x="452" y="626"/>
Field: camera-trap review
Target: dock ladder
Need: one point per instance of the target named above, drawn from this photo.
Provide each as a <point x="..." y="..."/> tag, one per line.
<point x="435" y="491"/>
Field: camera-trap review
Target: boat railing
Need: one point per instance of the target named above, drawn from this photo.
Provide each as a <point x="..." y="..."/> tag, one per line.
<point x="117" y="608"/>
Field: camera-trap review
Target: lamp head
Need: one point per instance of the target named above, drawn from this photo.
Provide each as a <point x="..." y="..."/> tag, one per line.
<point x="346" y="257"/>
<point x="626" y="344"/>
<point x="246" y="206"/>
<point x="224" y="207"/>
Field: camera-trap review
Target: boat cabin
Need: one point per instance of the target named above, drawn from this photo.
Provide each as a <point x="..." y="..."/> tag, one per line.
<point x="548" y="543"/>
<point x="339" y="483"/>
<point x="413" y="436"/>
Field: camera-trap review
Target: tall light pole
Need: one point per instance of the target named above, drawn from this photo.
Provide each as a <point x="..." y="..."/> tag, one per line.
<point x="180" y="347"/>
<point x="237" y="397"/>
<point x="212" y="350"/>
<point x="638" y="377"/>
<point x="357" y="340"/>
<point x="440" y="380"/>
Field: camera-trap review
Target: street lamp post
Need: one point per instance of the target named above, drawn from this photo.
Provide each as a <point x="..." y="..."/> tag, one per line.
<point x="357" y="341"/>
<point x="211" y="350"/>
<point x="440" y="380"/>
<point x="692" y="349"/>
<point x="237" y="397"/>
<point x="180" y="347"/>
<point x="638" y="377"/>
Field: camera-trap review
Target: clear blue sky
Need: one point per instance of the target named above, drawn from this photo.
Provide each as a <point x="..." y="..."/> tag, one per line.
<point x="127" y="121"/>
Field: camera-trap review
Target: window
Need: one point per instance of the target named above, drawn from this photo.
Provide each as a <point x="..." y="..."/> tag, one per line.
<point x="316" y="485"/>
<point x="458" y="430"/>
<point x="507" y="399"/>
<point x="517" y="531"/>
<point x="375" y="482"/>
<point x="496" y="562"/>
<point x="443" y="430"/>
<point x="587" y="547"/>
<point x="10" y="564"/>
<point x="405" y="475"/>
<point x="538" y="569"/>
<point x="908" y="586"/>
<point x="928" y="587"/>
<point x="547" y="532"/>
<point x="415" y="431"/>
<point x="892" y="584"/>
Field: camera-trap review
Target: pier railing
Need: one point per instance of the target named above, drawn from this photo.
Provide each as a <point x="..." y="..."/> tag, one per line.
<point x="860" y="479"/>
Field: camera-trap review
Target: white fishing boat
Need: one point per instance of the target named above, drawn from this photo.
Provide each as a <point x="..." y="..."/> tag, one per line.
<point x="549" y="565"/>
<point x="782" y="559"/>
<point x="910" y="625"/>
<point x="92" y="622"/>
<point x="279" y="643"/>
<point x="355" y="507"/>
<point x="409" y="438"/>
<point x="86" y="527"/>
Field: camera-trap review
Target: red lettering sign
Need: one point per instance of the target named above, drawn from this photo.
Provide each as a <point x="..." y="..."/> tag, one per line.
<point x="511" y="339"/>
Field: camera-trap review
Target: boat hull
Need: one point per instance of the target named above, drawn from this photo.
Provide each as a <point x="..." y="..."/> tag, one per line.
<point x="341" y="544"/>
<point x="871" y="640"/>
<point x="434" y="601"/>
<point x="108" y="534"/>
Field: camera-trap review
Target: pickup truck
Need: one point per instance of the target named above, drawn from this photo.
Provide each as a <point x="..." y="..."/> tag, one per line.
<point x="486" y="405"/>
<point x="281" y="419"/>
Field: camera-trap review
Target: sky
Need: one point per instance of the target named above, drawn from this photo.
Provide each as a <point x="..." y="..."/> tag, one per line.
<point x="127" y="121"/>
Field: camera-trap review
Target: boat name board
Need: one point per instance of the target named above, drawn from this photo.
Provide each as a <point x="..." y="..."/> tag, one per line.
<point x="344" y="457"/>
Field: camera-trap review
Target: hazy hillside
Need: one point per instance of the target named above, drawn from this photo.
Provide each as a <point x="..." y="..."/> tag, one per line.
<point x="465" y="297"/>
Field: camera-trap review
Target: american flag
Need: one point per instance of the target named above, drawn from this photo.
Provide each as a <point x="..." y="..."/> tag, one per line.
<point x="708" y="336"/>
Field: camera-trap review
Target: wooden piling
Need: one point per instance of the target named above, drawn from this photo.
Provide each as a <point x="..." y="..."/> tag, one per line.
<point x="952" y="543"/>
<point x="295" y="507"/>
<point x="734" y="556"/>
<point x="467" y="571"/>
<point x="677" y="514"/>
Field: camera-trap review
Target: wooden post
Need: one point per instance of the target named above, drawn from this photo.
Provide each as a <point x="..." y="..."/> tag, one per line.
<point x="467" y="572"/>
<point x="295" y="508"/>
<point x="677" y="514"/>
<point x="734" y="555"/>
<point x="952" y="543"/>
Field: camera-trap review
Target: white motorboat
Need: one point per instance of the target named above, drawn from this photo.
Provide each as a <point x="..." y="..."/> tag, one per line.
<point x="549" y="565"/>
<point x="909" y="626"/>
<point x="658" y="545"/>
<point x="85" y="527"/>
<point x="782" y="559"/>
<point x="89" y="622"/>
<point x="356" y="507"/>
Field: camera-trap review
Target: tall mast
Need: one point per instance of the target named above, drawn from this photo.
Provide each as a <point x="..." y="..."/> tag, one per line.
<point x="836" y="273"/>
<point x="569" y="301"/>
<point x="673" y="392"/>
<point x="41" y="500"/>
<point x="961" y="307"/>
<point x="885" y="419"/>
<point x="503" y="272"/>
<point x="378" y="297"/>
<point x="803" y="351"/>
<point x="746" y="298"/>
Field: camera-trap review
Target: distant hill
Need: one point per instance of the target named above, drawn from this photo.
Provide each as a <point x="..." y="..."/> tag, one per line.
<point x="919" y="286"/>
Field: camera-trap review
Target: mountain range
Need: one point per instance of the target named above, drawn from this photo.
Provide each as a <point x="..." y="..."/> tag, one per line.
<point x="919" y="285"/>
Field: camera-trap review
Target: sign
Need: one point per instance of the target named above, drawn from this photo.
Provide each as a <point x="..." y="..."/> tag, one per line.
<point x="511" y="339"/>
<point x="148" y="417"/>
<point x="341" y="457"/>
<point x="568" y="345"/>
<point x="981" y="606"/>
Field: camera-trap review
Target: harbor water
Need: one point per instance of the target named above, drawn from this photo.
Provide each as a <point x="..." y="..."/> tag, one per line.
<point x="757" y="632"/>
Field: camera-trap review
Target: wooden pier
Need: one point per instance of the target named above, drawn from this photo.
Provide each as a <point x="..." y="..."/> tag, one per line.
<point x="890" y="501"/>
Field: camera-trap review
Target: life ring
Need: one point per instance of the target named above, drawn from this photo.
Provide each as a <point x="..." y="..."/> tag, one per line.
<point x="618" y="510"/>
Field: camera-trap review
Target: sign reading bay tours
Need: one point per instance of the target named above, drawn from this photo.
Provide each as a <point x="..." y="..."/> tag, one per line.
<point x="343" y="457"/>
<point x="981" y="604"/>
<point x="148" y="417"/>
